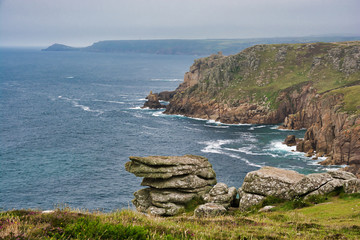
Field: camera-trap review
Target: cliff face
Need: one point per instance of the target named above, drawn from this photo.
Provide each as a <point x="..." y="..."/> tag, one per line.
<point x="313" y="86"/>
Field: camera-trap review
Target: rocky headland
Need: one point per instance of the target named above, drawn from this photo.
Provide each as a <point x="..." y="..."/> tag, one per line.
<point x="314" y="86"/>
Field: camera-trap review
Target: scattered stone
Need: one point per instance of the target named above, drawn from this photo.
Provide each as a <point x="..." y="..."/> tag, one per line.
<point x="209" y="210"/>
<point x="48" y="211"/>
<point x="221" y="195"/>
<point x="266" y="209"/>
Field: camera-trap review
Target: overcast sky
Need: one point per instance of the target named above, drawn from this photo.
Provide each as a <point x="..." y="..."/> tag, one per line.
<point x="82" y="22"/>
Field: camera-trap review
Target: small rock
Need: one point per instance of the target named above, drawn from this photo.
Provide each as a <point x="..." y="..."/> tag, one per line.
<point x="266" y="209"/>
<point x="209" y="210"/>
<point x="247" y="200"/>
<point x="290" y="140"/>
<point x="222" y="195"/>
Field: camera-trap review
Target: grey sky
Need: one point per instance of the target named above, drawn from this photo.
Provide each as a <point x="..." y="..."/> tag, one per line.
<point x="82" y="22"/>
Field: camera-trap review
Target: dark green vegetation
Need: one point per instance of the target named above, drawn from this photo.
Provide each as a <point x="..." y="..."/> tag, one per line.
<point x="190" y="47"/>
<point x="334" y="217"/>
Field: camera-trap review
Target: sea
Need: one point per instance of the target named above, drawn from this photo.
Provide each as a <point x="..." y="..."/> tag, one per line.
<point x="70" y="120"/>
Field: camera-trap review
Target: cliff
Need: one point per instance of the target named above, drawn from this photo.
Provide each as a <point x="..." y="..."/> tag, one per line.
<point x="314" y="86"/>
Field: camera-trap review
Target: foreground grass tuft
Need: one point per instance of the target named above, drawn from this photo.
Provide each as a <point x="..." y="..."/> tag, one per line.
<point x="336" y="217"/>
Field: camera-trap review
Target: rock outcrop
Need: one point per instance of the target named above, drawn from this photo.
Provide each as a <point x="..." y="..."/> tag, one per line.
<point x="314" y="86"/>
<point x="153" y="102"/>
<point x="210" y="210"/>
<point x="287" y="185"/>
<point x="221" y="194"/>
<point x="173" y="182"/>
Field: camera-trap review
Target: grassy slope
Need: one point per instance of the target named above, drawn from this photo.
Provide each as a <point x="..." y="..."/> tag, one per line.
<point x="338" y="218"/>
<point x="272" y="76"/>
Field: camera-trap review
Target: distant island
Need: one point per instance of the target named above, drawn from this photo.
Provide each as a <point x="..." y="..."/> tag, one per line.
<point x="192" y="47"/>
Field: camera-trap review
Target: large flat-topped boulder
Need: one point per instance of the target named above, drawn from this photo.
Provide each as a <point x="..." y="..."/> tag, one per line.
<point x="287" y="184"/>
<point x="271" y="181"/>
<point x="169" y="166"/>
<point x="172" y="182"/>
<point x="172" y="160"/>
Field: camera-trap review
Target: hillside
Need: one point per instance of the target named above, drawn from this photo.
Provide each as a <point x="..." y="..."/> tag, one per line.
<point x="314" y="86"/>
<point x="188" y="46"/>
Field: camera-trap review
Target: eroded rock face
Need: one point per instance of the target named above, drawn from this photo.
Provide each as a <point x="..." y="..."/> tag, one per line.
<point x="172" y="182"/>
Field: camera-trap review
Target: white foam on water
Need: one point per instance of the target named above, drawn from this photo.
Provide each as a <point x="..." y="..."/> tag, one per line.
<point x="166" y="79"/>
<point x="138" y="108"/>
<point x="255" y="127"/>
<point x="142" y="99"/>
<point x="279" y="146"/>
<point x="247" y="150"/>
<point x="108" y="101"/>
<point x="75" y="103"/>
<point x="70" y="77"/>
<point x="216" y="126"/>
<point x="215" y="146"/>
<point x="243" y="159"/>
<point x="159" y="114"/>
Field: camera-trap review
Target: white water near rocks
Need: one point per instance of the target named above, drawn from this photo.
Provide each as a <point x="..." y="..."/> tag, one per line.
<point x="70" y="120"/>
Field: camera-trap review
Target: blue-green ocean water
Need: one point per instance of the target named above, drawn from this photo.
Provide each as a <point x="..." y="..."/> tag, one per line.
<point x="70" y="120"/>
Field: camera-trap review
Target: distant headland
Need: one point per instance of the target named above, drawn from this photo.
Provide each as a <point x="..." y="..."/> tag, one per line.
<point x="192" y="46"/>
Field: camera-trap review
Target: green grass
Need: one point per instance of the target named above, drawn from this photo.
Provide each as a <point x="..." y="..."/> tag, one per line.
<point x="351" y="98"/>
<point x="336" y="218"/>
<point x="232" y="79"/>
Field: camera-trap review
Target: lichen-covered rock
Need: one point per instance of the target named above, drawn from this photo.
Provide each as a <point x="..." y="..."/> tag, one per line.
<point x="173" y="182"/>
<point x="209" y="210"/>
<point x="248" y="200"/>
<point x="169" y="166"/>
<point x="270" y="181"/>
<point x="327" y="187"/>
<point x="178" y="182"/>
<point x="164" y="196"/>
<point x="352" y="186"/>
<point x="221" y="195"/>
<point x="339" y="174"/>
<point x="310" y="183"/>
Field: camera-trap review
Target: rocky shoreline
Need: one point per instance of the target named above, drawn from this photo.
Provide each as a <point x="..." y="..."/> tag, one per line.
<point x="319" y="91"/>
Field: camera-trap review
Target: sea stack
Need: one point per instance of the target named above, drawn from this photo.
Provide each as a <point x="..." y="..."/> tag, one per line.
<point x="173" y="181"/>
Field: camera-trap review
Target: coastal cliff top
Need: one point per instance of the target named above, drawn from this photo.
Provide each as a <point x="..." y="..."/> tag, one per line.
<point x="258" y="74"/>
